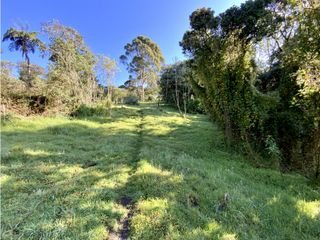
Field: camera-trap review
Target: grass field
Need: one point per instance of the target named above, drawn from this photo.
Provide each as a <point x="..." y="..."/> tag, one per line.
<point x="143" y="173"/>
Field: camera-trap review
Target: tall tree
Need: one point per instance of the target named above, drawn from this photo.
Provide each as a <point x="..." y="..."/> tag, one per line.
<point x="143" y="58"/>
<point x="130" y="84"/>
<point x="71" y="76"/>
<point x="107" y="68"/>
<point x="282" y="119"/>
<point x="26" y="42"/>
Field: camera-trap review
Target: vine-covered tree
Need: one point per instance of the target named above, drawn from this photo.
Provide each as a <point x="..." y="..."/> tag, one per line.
<point x="144" y="59"/>
<point x="71" y="76"/>
<point x="275" y="109"/>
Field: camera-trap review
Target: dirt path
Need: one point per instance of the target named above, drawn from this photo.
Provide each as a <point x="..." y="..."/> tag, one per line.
<point x="122" y="232"/>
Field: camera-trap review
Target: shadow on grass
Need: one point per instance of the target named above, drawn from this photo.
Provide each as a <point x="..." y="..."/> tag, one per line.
<point x="175" y="183"/>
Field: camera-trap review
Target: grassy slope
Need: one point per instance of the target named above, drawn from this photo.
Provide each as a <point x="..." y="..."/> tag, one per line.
<point x="174" y="170"/>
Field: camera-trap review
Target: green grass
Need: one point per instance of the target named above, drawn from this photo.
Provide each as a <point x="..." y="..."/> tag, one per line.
<point x="64" y="179"/>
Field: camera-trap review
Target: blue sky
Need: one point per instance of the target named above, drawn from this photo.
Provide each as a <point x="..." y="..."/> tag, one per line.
<point x="107" y="25"/>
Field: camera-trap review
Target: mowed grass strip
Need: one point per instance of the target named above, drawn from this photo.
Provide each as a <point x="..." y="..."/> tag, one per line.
<point x="63" y="179"/>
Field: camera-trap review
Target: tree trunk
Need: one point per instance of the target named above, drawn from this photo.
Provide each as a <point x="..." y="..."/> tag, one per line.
<point x="167" y="85"/>
<point x="178" y="98"/>
<point x="29" y="84"/>
<point x="316" y="154"/>
<point x="142" y="92"/>
<point x="109" y="83"/>
<point x="109" y="93"/>
<point x="28" y="63"/>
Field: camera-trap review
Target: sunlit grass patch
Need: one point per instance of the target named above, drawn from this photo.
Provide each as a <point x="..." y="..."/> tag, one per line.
<point x="152" y="221"/>
<point x="310" y="209"/>
<point x="64" y="178"/>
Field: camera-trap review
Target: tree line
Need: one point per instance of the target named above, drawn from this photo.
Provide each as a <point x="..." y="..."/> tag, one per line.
<point x="75" y="76"/>
<point x="256" y="70"/>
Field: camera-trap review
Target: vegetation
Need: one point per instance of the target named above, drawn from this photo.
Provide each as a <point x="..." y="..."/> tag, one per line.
<point x="71" y="78"/>
<point x="277" y="104"/>
<point x="107" y="69"/>
<point x="23" y="41"/>
<point x="175" y="88"/>
<point x="223" y="145"/>
<point x="17" y="95"/>
<point x="143" y="58"/>
<point x="76" y="79"/>
<point x="167" y="175"/>
<point x="30" y="74"/>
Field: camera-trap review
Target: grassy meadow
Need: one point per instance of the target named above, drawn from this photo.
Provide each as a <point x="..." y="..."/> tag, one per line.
<point x="143" y="173"/>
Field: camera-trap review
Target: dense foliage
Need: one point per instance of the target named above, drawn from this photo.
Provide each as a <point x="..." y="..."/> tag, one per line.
<point x="144" y="59"/>
<point x="175" y="88"/>
<point x="24" y="41"/>
<point x="272" y="109"/>
<point x="76" y="80"/>
<point x="71" y="77"/>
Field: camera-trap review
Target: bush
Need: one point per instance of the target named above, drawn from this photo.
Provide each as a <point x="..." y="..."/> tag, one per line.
<point x="6" y="118"/>
<point x="38" y="103"/>
<point x="106" y="103"/>
<point x="195" y="106"/>
<point x="100" y="109"/>
<point x="131" y="99"/>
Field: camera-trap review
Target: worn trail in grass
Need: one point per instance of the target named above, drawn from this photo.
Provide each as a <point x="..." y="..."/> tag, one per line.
<point x="123" y="230"/>
<point x="143" y="173"/>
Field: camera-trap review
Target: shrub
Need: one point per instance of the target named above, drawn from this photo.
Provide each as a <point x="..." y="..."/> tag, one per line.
<point x="38" y="103"/>
<point x="131" y="99"/>
<point x="195" y="106"/>
<point x="6" y="118"/>
<point x="100" y="109"/>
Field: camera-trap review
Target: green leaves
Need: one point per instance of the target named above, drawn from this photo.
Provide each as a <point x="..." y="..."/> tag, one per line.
<point x="23" y="41"/>
<point x="143" y="58"/>
<point x="226" y="75"/>
<point x="203" y="19"/>
<point x="71" y="76"/>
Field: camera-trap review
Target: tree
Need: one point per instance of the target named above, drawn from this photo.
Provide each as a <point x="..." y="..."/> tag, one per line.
<point x="13" y="91"/>
<point x="29" y="73"/>
<point x="300" y="59"/>
<point x="272" y="110"/>
<point x="107" y="69"/>
<point x="7" y="80"/>
<point x="175" y="88"/>
<point x="71" y="76"/>
<point x="119" y="94"/>
<point x="6" y="70"/>
<point x="23" y="41"/>
<point x="143" y="58"/>
<point x="130" y="84"/>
